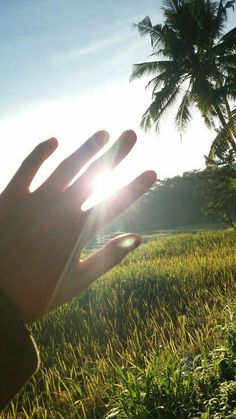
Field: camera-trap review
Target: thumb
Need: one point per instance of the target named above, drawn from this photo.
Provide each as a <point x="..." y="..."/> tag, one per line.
<point x="109" y="256"/>
<point x="89" y="269"/>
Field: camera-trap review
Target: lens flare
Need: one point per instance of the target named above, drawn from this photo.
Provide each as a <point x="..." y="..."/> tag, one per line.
<point x="102" y="184"/>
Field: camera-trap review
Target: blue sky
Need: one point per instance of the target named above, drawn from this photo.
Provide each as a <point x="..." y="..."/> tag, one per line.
<point x="57" y="49"/>
<point x="65" y="67"/>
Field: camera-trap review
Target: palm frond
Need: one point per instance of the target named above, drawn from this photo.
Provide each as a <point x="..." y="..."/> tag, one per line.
<point x="172" y="46"/>
<point x="167" y="65"/>
<point x="230" y="4"/>
<point x="220" y="18"/>
<point x="171" y="5"/>
<point x="210" y="159"/>
<point x="160" y="80"/>
<point x="183" y="115"/>
<point x="209" y="119"/>
<point x="146" y="121"/>
<point x="144" y="69"/>
<point x="227" y="60"/>
<point x="206" y="96"/>
<point x="166" y="69"/>
<point x="226" y="45"/>
<point x="230" y="35"/>
<point x="225" y="138"/>
<point x="156" y="35"/>
<point x="221" y="15"/>
<point x="156" y="82"/>
<point x="219" y="147"/>
<point x="163" y="99"/>
<point x="144" y="26"/>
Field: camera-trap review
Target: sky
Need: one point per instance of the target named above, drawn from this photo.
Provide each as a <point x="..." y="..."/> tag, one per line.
<point x="65" y="68"/>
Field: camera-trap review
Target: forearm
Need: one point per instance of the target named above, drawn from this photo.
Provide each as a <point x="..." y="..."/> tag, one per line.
<point x="18" y="354"/>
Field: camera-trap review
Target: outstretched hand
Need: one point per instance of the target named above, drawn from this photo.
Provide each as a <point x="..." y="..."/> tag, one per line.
<point x="43" y="233"/>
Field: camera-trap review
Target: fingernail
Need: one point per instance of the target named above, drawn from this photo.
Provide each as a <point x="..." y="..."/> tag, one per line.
<point x="151" y="178"/>
<point x="53" y="141"/>
<point x="101" y="137"/>
<point x="130" y="242"/>
<point x="130" y="135"/>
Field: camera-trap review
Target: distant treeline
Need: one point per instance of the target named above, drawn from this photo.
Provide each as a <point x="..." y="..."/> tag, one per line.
<point x="173" y="202"/>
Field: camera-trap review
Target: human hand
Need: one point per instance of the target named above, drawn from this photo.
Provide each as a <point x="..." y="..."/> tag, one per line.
<point x="43" y="233"/>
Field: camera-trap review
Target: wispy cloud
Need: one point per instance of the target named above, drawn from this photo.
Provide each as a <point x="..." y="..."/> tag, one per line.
<point x="120" y="34"/>
<point x="94" y="47"/>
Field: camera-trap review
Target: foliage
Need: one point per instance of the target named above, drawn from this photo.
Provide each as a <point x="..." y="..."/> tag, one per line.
<point x="221" y="151"/>
<point x="172" y="204"/>
<point x="194" y="62"/>
<point x="196" y="386"/>
<point x="219" y="186"/>
<point x="153" y="338"/>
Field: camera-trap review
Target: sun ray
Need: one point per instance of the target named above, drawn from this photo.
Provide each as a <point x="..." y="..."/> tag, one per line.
<point x="104" y="185"/>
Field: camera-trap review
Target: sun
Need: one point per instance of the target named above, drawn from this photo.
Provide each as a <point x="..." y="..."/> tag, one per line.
<point x="104" y="185"/>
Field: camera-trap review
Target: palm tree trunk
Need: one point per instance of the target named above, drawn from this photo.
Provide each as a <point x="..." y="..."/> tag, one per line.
<point x="230" y="221"/>
<point x="227" y="107"/>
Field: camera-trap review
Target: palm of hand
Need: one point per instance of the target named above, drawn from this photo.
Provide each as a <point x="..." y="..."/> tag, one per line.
<point x="43" y="233"/>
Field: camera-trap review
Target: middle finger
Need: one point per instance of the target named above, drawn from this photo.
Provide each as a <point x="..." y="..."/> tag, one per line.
<point x="83" y="187"/>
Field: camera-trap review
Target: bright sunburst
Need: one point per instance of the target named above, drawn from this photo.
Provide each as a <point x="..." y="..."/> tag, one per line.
<point x="104" y="185"/>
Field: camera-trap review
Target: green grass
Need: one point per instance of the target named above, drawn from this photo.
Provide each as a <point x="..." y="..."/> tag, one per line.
<point x="153" y="338"/>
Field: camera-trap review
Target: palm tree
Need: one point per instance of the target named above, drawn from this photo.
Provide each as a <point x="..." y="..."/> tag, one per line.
<point x="194" y="61"/>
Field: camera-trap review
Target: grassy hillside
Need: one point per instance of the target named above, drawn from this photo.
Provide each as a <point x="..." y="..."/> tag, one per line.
<point x="154" y="338"/>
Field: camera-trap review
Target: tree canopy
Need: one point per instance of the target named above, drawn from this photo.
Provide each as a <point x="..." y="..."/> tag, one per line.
<point x="195" y="198"/>
<point x="194" y="62"/>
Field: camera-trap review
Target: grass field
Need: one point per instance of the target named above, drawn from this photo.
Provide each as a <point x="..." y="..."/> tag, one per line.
<point x="100" y="240"/>
<point x="154" y="338"/>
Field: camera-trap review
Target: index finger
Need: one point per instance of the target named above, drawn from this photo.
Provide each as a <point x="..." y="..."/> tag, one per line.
<point x="103" y="213"/>
<point x="120" y="149"/>
<point x="69" y="167"/>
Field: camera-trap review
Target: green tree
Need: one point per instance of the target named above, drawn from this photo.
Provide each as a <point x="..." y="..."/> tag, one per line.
<point x="219" y="188"/>
<point x="195" y="62"/>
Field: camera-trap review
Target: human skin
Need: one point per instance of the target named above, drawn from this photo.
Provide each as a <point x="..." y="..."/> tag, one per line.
<point x="43" y="232"/>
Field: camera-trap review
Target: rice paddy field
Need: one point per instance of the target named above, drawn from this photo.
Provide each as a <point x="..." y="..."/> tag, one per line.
<point x="154" y="338"/>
